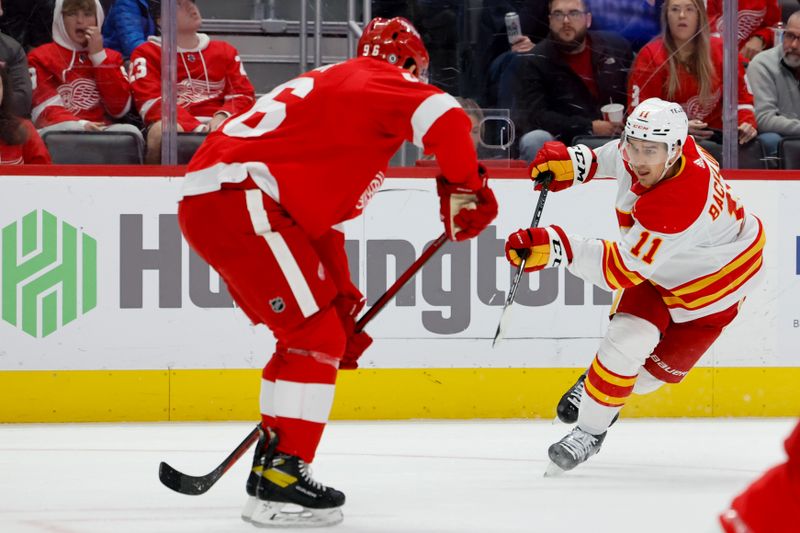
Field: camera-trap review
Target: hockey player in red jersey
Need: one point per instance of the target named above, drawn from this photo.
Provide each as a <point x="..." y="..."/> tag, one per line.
<point x="212" y="83"/>
<point x="688" y="254"/>
<point x="263" y="202"/>
<point x="771" y="504"/>
<point x="78" y="84"/>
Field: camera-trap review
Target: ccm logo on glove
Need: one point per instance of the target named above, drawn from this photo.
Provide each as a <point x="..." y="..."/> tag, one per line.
<point x="539" y="248"/>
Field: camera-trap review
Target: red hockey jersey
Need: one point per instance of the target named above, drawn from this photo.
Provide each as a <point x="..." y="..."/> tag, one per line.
<point x="687" y="235"/>
<point x="755" y="18"/>
<point x="31" y="152"/>
<point x="69" y="84"/>
<point x="320" y="143"/>
<point x="211" y="78"/>
<point x="649" y="78"/>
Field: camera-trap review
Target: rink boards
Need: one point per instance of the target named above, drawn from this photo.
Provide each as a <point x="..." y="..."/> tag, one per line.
<point x="106" y="315"/>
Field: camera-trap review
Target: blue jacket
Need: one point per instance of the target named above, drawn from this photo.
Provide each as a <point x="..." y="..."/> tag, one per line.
<point x="127" y="25"/>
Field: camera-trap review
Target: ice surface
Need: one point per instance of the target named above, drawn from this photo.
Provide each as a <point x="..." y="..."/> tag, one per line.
<point x="399" y="477"/>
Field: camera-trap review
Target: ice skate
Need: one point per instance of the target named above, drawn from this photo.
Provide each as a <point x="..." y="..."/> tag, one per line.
<point x="572" y="450"/>
<point x="289" y="497"/>
<point x="265" y="449"/>
<point x="570" y="403"/>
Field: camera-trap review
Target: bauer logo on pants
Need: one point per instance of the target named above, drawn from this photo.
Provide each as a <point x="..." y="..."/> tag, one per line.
<point x="49" y="273"/>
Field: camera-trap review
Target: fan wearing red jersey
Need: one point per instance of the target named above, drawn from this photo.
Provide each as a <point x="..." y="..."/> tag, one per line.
<point x="263" y="202"/>
<point x="754" y="22"/>
<point x="77" y="83"/>
<point x="688" y="254"/>
<point x="211" y="82"/>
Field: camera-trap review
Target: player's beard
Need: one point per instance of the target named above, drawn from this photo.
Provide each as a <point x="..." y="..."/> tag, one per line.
<point x="569" y="47"/>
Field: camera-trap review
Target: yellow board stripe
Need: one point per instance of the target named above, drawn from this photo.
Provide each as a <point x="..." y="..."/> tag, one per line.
<point x="601" y="396"/>
<point x="378" y="394"/>
<point x="611" y="378"/>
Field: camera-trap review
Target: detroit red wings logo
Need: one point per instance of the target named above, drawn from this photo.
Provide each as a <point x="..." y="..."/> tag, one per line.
<point x="79" y="95"/>
<point x="695" y="108"/>
<point x="747" y="21"/>
<point x="191" y="91"/>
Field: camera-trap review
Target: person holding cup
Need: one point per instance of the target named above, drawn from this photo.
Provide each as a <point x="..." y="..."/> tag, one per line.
<point x="684" y="65"/>
<point x="560" y="88"/>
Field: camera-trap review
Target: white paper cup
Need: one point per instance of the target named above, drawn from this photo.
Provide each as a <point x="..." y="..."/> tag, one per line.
<point x="613" y="112"/>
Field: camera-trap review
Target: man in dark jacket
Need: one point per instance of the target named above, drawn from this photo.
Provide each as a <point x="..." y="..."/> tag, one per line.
<point x="13" y="59"/>
<point x="559" y="88"/>
<point x="29" y="22"/>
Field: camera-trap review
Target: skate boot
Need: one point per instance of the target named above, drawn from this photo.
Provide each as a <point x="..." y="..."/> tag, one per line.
<point x="265" y="449"/>
<point x="289" y="497"/>
<point x="573" y="450"/>
<point x="569" y="404"/>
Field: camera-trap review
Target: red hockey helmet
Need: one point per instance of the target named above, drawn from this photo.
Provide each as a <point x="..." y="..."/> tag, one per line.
<point x="397" y="42"/>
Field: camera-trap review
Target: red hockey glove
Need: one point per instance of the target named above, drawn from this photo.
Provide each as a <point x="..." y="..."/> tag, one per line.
<point x="348" y="306"/>
<point x="568" y="165"/>
<point x="544" y="247"/>
<point x="466" y="211"/>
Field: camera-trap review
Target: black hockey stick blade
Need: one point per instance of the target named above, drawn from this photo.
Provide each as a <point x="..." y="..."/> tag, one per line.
<point x="196" y="485"/>
<point x="505" y="316"/>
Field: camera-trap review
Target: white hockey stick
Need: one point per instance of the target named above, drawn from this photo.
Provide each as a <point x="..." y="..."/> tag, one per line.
<point x="505" y="317"/>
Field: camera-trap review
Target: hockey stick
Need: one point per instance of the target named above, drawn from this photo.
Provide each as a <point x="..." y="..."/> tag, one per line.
<point x="195" y="485"/>
<point x="502" y="326"/>
<point x="402" y="280"/>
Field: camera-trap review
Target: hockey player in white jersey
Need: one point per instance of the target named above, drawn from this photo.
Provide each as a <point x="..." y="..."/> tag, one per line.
<point x="688" y="254"/>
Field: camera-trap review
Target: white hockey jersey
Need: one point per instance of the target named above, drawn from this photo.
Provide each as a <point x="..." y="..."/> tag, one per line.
<point x="688" y="235"/>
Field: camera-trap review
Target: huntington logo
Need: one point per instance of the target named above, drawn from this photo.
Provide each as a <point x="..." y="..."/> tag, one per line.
<point x="49" y="273"/>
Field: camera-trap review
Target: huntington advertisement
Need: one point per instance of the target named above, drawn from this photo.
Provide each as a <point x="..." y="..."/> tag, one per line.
<point x="95" y="275"/>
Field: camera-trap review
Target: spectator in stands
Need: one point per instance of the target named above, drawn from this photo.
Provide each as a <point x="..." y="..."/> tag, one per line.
<point x="638" y="21"/>
<point x="775" y="79"/>
<point x="684" y="65"/>
<point x="755" y="20"/>
<point x="495" y="54"/>
<point x="78" y="85"/>
<point x="561" y="86"/>
<point x="212" y="83"/>
<point x="29" y="22"/>
<point x="128" y="25"/>
<point x="13" y="59"/>
<point x="19" y="141"/>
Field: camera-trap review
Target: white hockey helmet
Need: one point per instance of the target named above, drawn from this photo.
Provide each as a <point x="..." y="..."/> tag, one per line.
<point x="659" y="121"/>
